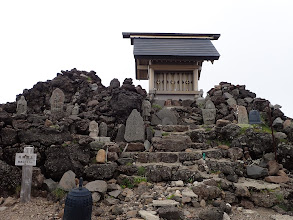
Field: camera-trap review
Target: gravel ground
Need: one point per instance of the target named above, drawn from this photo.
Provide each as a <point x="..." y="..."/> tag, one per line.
<point x="41" y="209"/>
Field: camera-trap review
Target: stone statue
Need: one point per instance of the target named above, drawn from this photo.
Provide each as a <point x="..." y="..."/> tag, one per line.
<point x="146" y="109"/>
<point x="21" y="108"/>
<point x="94" y="129"/>
<point x="75" y="110"/>
<point x="57" y="101"/>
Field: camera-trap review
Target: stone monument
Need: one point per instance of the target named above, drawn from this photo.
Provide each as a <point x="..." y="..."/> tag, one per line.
<point x="75" y="110"/>
<point x="57" y="101"/>
<point x="209" y="113"/>
<point x="254" y="117"/>
<point x="94" y="129"/>
<point x="103" y="128"/>
<point x="21" y="108"/>
<point x="146" y="109"/>
<point x="134" y="130"/>
<point x="242" y="115"/>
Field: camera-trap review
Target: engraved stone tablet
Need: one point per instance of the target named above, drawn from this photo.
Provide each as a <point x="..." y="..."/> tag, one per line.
<point x="134" y="130"/>
<point x="57" y="101"/>
<point x="242" y="115"/>
<point x="209" y="116"/>
<point x="254" y="117"/>
<point x="21" y="106"/>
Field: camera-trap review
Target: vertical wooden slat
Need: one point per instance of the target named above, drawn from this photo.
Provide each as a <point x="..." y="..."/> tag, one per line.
<point x="184" y="79"/>
<point x="190" y="79"/>
<point x="180" y="81"/>
<point x="155" y="81"/>
<point x="176" y="79"/>
<point x="165" y="82"/>
<point x="195" y="80"/>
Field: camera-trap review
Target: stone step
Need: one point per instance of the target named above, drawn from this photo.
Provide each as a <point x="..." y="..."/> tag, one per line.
<point x="175" y="128"/>
<point x="158" y="172"/>
<point x="174" y="157"/>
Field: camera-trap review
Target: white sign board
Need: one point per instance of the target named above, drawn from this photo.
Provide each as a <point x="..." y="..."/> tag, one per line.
<point x="22" y="159"/>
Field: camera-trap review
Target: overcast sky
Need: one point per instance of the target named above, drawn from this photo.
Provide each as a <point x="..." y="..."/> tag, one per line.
<point x="38" y="39"/>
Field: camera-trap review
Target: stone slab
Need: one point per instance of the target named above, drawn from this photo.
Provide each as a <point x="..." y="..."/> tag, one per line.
<point x="162" y="203"/>
<point x="256" y="184"/>
<point x="134" y="130"/>
<point x="242" y="115"/>
<point x="209" y="116"/>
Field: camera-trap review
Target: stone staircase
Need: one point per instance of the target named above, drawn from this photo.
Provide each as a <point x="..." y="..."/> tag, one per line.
<point x="174" y="156"/>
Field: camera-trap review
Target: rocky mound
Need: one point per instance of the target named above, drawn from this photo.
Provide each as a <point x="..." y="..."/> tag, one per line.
<point x="116" y="134"/>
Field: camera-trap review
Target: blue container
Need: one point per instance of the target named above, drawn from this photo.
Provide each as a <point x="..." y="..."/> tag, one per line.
<point x="78" y="204"/>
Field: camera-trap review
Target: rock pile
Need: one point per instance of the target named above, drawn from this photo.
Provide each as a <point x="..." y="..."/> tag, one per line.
<point x="162" y="158"/>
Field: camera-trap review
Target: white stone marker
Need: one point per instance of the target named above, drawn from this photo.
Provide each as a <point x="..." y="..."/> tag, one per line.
<point x="27" y="160"/>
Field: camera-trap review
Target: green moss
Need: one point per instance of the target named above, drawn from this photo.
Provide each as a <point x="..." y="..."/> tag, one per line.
<point x="171" y="197"/>
<point x="128" y="164"/>
<point x="59" y="193"/>
<point x="156" y="107"/>
<point x="138" y="180"/>
<point x="57" y="127"/>
<point x="132" y="182"/>
<point x="89" y="79"/>
<point x="262" y="128"/>
<point x="282" y="140"/>
<point x="64" y="145"/>
<point x="280" y="197"/>
<point x="285" y="207"/>
<point x="141" y="171"/>
<point x="126" y="183"/>
<point x="215" y="171"/>
<point x="165" y="134"/>
<point x="152" y="129"/>
<point x="219" y="186"/>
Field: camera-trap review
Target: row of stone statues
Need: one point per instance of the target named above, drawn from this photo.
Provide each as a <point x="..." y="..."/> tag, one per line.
<point x="208" y="109"/>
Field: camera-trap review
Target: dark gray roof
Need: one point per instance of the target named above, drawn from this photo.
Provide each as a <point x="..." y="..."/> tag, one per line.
<point x="147" y="35"/>
<point x="201" y="48"/>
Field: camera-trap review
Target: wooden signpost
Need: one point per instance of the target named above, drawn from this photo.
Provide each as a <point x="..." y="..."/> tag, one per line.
<point x="27" y="160"/>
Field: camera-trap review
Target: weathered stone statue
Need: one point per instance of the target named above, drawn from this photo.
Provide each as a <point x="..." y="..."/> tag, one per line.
<point x="209" y="113"/>
<point x="146" y="109"/>
<point x="94" y="129"/>
<point x="21" y="106"/>
<point x="75" y="110"/>
<point x="103" y="129"/>
<point x="57" y="101"/>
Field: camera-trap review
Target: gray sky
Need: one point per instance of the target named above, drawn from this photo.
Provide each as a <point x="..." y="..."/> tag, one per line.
<point x="40" y="38"/>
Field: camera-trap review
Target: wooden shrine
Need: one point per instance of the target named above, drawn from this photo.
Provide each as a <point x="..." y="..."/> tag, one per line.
<point x="172" y="61"/>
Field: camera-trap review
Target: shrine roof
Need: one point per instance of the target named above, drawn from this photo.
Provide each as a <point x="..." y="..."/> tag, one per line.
<point x="173" y="45"/>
